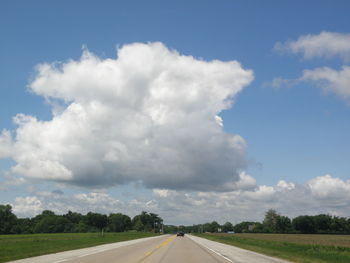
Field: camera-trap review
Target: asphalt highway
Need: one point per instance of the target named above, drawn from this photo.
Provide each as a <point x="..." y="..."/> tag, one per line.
<point x="163" y="249"/>
<point x="169" y="249"/>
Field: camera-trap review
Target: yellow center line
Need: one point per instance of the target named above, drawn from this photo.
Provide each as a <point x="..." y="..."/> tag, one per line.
<point x="164" y="243"/>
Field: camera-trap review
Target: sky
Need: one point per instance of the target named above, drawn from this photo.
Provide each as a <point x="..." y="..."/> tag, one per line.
<point x="194" y="110"/>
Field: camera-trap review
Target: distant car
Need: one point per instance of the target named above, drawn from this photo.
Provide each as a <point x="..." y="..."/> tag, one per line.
<point x="180" y="234"/>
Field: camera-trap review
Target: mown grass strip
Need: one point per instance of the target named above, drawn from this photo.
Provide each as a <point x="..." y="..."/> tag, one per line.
<point x="304" y="253"/>
<point x="14" y="247"/>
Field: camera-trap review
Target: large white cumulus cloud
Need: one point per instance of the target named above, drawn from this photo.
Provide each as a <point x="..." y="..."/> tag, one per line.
<point x="151" y="116"/>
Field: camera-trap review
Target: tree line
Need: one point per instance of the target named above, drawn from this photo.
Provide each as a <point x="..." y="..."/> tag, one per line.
<point x="275" y="223"/>
<point x="73" y="222"/>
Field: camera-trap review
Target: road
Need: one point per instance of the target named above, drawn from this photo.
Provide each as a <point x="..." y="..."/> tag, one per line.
<point x="164" y="249"/>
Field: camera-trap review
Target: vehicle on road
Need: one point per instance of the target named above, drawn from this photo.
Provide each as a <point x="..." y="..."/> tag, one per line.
<point x="180" y="234"/>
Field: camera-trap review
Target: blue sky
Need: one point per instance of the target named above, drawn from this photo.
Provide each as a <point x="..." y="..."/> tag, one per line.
<point x="293" y="133"/>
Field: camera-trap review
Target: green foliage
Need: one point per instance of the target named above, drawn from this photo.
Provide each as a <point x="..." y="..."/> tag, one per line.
<point x="7" y="219"/>
<point x="72" y="222"/>
<point x="96" y="220"/>
<point x="73" y="217"/>
<point x="304" y="224"/>
<point x="119" y="223"/>
<point x="340" y="225"/>
<point x="52" y="224"/>
<point x="138" y="225"/>
<point x="283" y="224"/>
<point x="246" y="227"/>
<point x="23" y="226"/>
<point x="211" y="227"/>
<point x="275" y="223"/>
<point x="227" y="227"/>
<point x="170" y="229"/>
<point x="147" y="222"/>
<point x="82" y="227"/>
<point x="270" y="220"/>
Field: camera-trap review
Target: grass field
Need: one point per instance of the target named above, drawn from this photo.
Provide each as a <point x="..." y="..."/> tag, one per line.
<point x="14" y="247"/>
<point x="295" y="248"/>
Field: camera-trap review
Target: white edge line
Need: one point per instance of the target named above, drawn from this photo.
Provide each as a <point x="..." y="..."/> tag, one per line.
<point x="88" y="254"/>
<point x="221" y="255"/>
<point x="212" y="250"/>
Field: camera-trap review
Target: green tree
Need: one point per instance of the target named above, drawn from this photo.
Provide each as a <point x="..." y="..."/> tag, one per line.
<point x="138" y="225"/>
<point x="339" y="225"/>
<point x="323" y="223"/>
<point x="81" y="227"/>
<point x="283" y="224"/>
<point x="270" y="220"/>
<point x="7" y="219"/>
<point x="43" y="214"/>
<point x="211" y="227"/>
<point x="156" y="222"/>
<point x="119" y="222"/>
<point x="304" y="224"/>
<point x="52" y="224"/>
<point x="73" y="217"/>
<point x="170" y="229"/>
<point x="145" y="219"/>
<point x="149" y="221"/>
<point x="96" y="220"/>
<point x="23" y="226"/>
<point x="246" y="226"/>
<point x="227" y="227"/>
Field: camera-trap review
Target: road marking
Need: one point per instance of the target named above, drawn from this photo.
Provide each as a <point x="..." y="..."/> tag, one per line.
<point x="219" y="254"/>
<point x="164" y="243"/>
<point x="83" y="255"/>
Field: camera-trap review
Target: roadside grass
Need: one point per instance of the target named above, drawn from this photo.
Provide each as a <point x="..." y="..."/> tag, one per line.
<point x="324" y="240"/>
<point x="294" y="248"/>
<point x="13" y="247"/>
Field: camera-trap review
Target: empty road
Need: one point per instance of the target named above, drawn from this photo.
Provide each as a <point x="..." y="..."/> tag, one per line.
<point x="163" y="249"/>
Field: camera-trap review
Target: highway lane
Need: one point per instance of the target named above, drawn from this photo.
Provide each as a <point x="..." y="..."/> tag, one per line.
<point x="170" y="249"/>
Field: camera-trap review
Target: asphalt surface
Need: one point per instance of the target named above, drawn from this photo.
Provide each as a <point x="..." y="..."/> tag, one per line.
<point x="163" y="249"/>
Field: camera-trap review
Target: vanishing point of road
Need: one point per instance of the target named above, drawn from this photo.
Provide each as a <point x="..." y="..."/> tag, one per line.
<point x="162" y="249"/>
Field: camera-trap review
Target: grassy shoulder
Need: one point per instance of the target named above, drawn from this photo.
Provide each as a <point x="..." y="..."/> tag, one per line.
<point x="23" y="246"/>
<point x="293" y="251"/>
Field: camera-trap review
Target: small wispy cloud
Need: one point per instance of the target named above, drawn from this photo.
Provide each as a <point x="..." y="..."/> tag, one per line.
<point x="323" y="45"/>
<point x="330" y="80"/>
<point x="279" y="82"/>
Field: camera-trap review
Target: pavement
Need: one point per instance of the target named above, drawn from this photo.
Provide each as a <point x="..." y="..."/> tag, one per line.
<point x="161" y="249"/>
